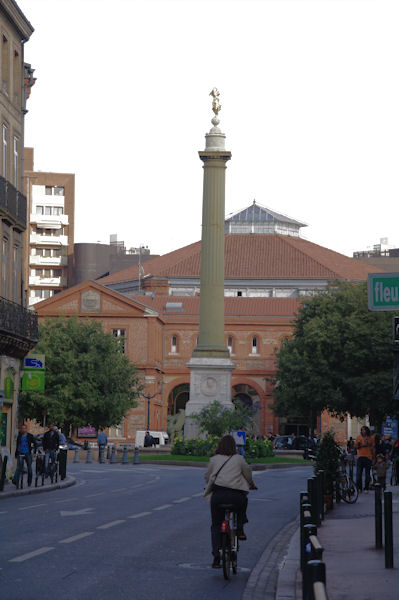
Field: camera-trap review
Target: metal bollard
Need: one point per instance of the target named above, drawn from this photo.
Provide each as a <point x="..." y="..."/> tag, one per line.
<point x="76" y="457"/>
<point x="312" y="490"/>
<point x="388" y="530"/>
<point x="321" y="483"/>
<point x="88" y="455"/>
<point x="308" y="530"/>
<point x="315" y="573"/>
<point x="378" y="516"/>
<point x="305" y="519"/>
<point x="125" y="459"/>
<point x="101" y="459"/>
<point x="136" y="460"/>
<point x="108" y="452"/>
<point x="113" y="456"/>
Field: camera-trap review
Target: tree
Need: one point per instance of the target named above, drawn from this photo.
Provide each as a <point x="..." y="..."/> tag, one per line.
<point x="89" y="381"/>
<point x="339" y="358"/>
<point x="216" y="419"/>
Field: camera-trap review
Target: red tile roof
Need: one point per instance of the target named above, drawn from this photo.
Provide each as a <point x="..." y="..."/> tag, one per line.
<point x="256" y="257"/>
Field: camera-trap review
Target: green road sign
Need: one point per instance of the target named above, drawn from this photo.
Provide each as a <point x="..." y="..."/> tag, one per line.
<point x="383" y="291"/>
<point x="33" y="380"/>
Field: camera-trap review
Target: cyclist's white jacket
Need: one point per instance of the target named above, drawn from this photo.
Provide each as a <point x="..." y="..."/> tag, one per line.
<point x="235" y="474"/>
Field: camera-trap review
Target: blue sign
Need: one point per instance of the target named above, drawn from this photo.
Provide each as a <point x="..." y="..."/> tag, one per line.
<point x="239" y="437"/>
<point x="33" y="362"/>
<point x="390" y="428"/>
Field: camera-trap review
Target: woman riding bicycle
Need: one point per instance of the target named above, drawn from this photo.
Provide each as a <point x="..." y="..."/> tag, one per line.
<point x="232" y="483"/>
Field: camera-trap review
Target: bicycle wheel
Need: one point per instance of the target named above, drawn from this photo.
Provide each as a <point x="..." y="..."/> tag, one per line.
<point x="349" y="491"/>
<point x="226" y="554"/>
<point x="234" y="555"/>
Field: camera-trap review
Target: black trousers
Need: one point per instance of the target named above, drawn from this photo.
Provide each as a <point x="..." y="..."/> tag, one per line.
<point x="62" y="461"/>
<point x="239" y="499"/>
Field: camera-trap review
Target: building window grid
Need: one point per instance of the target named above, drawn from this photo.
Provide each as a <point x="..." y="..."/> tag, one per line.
<point x="120" y="334"/>
<point x="4" y="158"/>
<point x="254" y="345"/>
<point x="173" y="344"/>
<point x="16" y="161"/>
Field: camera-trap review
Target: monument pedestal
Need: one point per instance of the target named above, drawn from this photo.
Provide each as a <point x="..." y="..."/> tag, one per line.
<point x="210" y="380"/>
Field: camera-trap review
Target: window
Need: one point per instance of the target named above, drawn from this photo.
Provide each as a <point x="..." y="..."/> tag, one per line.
<point x="4" y="151"/>
<point x="58" y="210"/>
<point x="120" y="334"/>
<point x="39" y="209"/>
<point x="173" y="345"/>
<point x="15" y="162"/>
<point x="17" y="78"/>
<point x="239" y="293"/>
<point x="48" y="190"/>
<point x="47" y="210"/>
<point x="230" y="344"/>
<point x="5" y="65"/>
<point x="254" y="345"/>
<point x="57" y="272"/>
<point x="58" y="191"/>
<point x="16" y="279"/>
<point x="5" y="269"/>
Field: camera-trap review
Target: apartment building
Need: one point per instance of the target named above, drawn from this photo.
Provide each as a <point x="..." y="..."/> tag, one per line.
<point x="18" y="325"/>
<point x="50" y="237"/>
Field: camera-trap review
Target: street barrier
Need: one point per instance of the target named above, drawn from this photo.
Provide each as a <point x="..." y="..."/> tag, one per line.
<point x="125" y="459"/>
<point x="136" y="460"/>
<point x="388" y="530"/>
<point x="101" y="458"/>
<point x="113" y="456"/>
<point x="88" y="456"/>
<point x="378" y="516"/>
<point x="76" y="457"/>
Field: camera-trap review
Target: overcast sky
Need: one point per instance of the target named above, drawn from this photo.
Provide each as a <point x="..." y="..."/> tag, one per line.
<point x="310" y="107"/>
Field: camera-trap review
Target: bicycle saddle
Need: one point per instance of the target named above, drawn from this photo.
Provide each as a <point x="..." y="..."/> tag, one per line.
<point x="227" y="506"/>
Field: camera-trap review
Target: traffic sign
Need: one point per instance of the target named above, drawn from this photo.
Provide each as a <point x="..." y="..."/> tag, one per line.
<point x="33" y="380"/>
<point x="34" y="361"/>
<point x="383" y="291"/>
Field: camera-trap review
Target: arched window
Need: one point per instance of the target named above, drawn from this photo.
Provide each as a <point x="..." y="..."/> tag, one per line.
<point x="254" y="345"/>
<point x="173" y="344"/>
<point x="230" y="344"/>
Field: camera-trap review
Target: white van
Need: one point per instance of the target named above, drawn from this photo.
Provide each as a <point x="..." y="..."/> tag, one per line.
<point x="160" y="438"/>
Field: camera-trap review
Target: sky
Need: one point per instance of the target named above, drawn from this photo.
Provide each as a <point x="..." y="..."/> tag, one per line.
<point x="310" y="107"/>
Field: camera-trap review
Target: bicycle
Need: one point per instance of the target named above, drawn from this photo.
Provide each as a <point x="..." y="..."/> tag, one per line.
<point x="346" y="488"/>
<point x="40" y="468"/>
<point x="229" y="540"/>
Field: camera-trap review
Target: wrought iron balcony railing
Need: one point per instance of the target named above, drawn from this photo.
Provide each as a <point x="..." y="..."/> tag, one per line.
<point x="18" y="329"/>
<point x="13" y="203"/>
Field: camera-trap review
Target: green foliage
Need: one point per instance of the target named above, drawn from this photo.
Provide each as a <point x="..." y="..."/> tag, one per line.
<point x="88" y="379"/>
<point x="206" y="447"/>
<point x="327" y="459"/>
<point x="339" y="358"/>
<point x="216" y="419"/>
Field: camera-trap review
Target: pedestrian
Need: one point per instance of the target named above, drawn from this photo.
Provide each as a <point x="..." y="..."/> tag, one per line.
<point x="51" y="442"/>
<point x="24" y="448"/>
<point x="148" y="440"/>
<point x="380" y="468"/>
<point x="379" y="444"/>
<point x="350" y="446"/>
<point x="230" y="479"/>
<point x="63" y="453"/>
<point x="364" y="445"/>
<point x="102" y="442"/>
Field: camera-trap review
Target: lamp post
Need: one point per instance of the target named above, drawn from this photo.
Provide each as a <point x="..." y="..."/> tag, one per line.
<point x="149" y="398"/>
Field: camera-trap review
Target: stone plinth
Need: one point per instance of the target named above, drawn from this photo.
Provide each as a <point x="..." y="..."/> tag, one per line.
<point x="210" y="380"/>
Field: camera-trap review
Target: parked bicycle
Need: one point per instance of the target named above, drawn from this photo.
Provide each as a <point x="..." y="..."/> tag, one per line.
<point x="229" y="540"/>
<point x="40" y="467"/>
<point x="345" y="487"/>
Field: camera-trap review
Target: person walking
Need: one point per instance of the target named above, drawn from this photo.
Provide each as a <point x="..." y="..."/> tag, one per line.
<point x="63" y="454"/>
<point x="364" y="445"/>
<point x="51" y="442"/>
<point x="102" y="442"/>
<point x="24" y="448"/>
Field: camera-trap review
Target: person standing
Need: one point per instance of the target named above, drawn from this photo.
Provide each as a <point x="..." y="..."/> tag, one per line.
<point x="148" y="440"/>
<point x="364" y="445"/>
<point x="23" y="452"/>
<point x="102" y="441"/>
<point x="63" y="453"/>
<point x="51" y="442"/>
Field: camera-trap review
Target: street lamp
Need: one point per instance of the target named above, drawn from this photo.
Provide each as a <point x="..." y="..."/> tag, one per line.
<point x="149" y="398"/>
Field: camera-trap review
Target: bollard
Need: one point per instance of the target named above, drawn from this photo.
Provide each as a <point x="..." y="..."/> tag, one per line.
<point x="304" y="520"/>
<point x="388" y="530"/>
<point x="108" y="452"/>
<point x="88" y="456"/>
<point x="3" y="472"/>
<point x="308" y="530"/>
<point x="113" y="456"/>
<point x="378" y="516"/>
<point x="76" y="457"/>
<point x="125" y="460"/>
<point x="136" y="460"/>
<point x="312" y="490"/>
<point x="101" y="459"/>
<point x="321" y="491"/>
<point x="315" y="573"/>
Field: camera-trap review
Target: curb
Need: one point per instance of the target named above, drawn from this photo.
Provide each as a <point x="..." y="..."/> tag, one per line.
<point x="68" y="482"/>
<point x="254" y="466"/>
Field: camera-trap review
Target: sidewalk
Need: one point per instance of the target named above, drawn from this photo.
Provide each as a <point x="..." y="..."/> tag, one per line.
<point x="10" y="489"/>
<point x="355" y="570"/>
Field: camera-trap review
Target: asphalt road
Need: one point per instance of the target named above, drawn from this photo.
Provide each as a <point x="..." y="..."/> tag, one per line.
<point x="137" y="532"/>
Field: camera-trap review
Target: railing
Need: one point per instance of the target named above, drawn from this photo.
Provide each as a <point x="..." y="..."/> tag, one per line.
<point x="18" y="329"/>
<point x="13" y="202"/>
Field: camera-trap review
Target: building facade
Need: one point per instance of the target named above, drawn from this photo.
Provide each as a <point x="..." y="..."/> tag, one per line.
<point x="18" y="326"/>
<point x="267" y="276"/>
<point x="50" y="236"/>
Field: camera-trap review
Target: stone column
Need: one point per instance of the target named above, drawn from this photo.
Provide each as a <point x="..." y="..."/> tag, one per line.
<point x="210" y="365"/>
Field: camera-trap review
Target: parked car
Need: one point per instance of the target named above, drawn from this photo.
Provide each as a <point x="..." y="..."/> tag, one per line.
<point x="286" y="442"/>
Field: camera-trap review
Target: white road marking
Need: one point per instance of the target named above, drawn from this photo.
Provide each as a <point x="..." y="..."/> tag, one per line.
<point x="118" y="490"/>
<point x="92" y="495"/>
<point x="74" y="538"/>
<point x="31" y="506"/>
<point x="66" y="500"/>
<point x="197" y="495"/>
<point x="3" y="512"/>
<point x="162" y="507"/>
<point x="111" y="524"/>
<point x="32" y="554"/>
<point x="138" y="515"/>
<point x="182" y="499"/>
<point x="74" y="513"/>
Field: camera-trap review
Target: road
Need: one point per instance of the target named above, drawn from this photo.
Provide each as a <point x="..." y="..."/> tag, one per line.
<point x="133" y="532"/>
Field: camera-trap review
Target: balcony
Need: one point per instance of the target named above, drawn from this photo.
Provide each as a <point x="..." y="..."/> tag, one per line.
<point x="13" y="203"/>
<point x="18" y="329"/>
<point x="48" y="240"/>
<point x="49" y="221"/>
<point x="53" y="282"/>
<point x="49" y="261"/>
